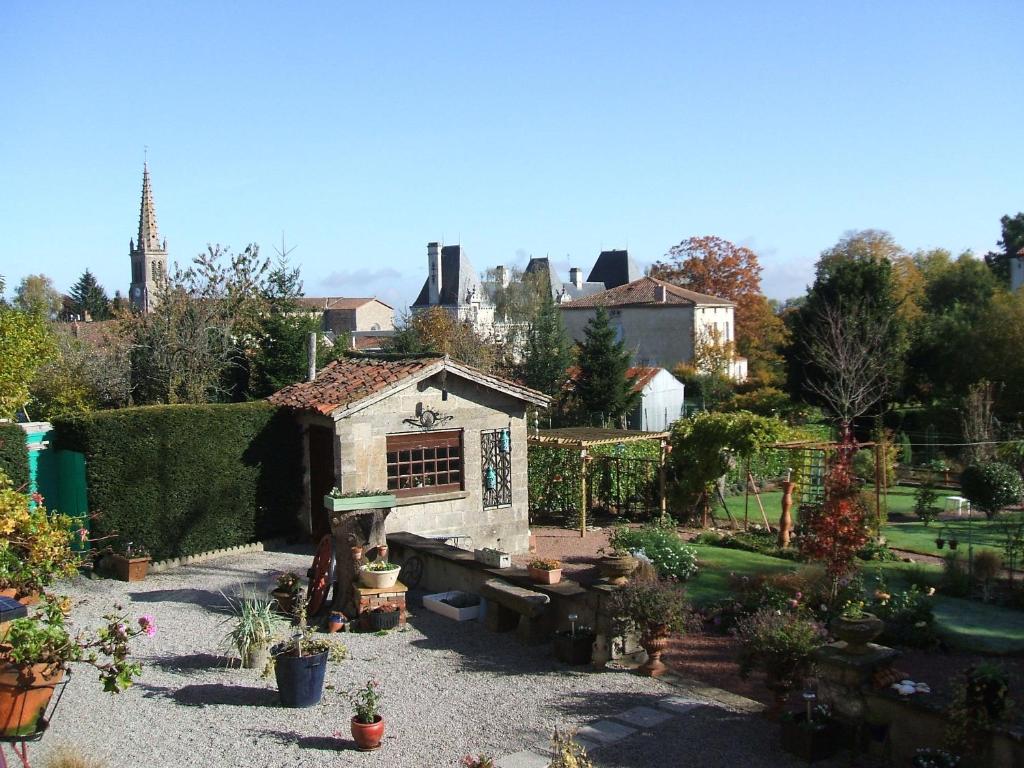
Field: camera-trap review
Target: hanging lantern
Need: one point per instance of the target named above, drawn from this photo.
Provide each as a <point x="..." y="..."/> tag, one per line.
<point x="506" y="441"/>
<point x="491" y="479"/>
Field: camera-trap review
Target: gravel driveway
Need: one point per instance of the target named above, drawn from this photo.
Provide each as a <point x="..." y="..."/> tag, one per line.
<point x="449" y="689"/>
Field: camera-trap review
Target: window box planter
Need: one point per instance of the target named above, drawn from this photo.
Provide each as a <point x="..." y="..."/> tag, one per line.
<point x="493" y="558"/>
<point x="574" y="649"/>
<point x="455" y="605"/>
<point x="811" y="743"/>
<point x="130" y="568"/>
<point x="543" y="576"/>
<point x="347" y="503"/>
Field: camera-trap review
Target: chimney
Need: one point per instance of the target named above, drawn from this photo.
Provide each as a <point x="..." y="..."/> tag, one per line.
<point x="660" y="294"/>
<point x="501" y="276"/>
<point x="576" y="277"/>
<point x="433" y="273"/>
<point x="311" y="356"/>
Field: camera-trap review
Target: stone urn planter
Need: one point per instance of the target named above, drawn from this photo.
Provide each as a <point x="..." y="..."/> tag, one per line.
<point x="616" y="569"/>
<point x="857" y="633"/>
<point x="654" y="640"/>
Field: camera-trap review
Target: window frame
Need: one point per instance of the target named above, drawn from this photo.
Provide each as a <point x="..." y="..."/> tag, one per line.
<point x="411" y="442"/>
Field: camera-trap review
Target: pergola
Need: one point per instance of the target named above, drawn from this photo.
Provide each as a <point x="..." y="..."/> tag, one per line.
<point x="582" y="439"/>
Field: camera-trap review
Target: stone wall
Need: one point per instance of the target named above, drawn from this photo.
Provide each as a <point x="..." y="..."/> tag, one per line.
<point x="361" y="455"/>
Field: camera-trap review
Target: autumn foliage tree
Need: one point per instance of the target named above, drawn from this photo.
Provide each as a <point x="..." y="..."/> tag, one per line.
<point x="717" y="267"/>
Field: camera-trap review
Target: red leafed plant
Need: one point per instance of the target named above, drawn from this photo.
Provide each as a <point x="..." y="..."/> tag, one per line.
<point x="834" y="531"/>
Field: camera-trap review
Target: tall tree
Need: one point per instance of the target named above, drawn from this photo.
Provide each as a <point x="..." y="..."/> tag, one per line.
<point x="1009" y="246"/>
<point x="603" y="386"/>
<point x="435" y="331"/>
<point x="36" y="295"/>
<point x="717" y="267"/>
<point x="849" y="340"/>
<point x="547" y="353"/>
<point x="26" y="343"/>
<point x="89" y="298"/>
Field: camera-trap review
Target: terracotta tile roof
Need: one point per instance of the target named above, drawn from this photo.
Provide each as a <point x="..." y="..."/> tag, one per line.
<point x="643" y="292"/>
<point x="350" y="380"/>
<point x="97" y="333"/>
<point x="642" y="373"/>
<point x="335" y="302"/>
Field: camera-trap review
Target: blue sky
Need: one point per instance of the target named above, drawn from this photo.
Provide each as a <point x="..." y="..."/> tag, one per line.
<point x="363" y="132"/>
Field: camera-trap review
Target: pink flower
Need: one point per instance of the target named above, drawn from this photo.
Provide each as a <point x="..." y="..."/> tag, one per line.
<point x="122" y="630"/>
<point x="37" y="498"/>
<point x="83" y="534"/>
<point x="147" y="624"/>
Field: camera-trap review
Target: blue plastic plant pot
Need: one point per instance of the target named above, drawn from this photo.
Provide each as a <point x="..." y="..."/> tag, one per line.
<point x="300" y="680"/>
<point x="11" y="609"/>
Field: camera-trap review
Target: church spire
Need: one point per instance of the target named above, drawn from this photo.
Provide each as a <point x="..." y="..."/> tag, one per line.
<point x="149" y="234"/>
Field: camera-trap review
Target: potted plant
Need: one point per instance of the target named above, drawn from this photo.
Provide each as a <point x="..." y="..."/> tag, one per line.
<point x="379" y="574"/>
<point x="493" y="558"/>
<point x="575" y="645"/>
<point x="336" y="622"/>
<point x="255" y="625"/>
<point x="286" y="593"/>
<point x="655" y="609"/>
<point x="545" y="571"/>
<point x="131" y="563"/>
<point x="381" y="619"/>
<point x="336" y="501"/>
<point x="37" y="651"/>
<point x="778" y="643"/>
<point x="617" y="562"/>
<point x="987" y="689"/>
<point x="367" y="723"/>
<point x="856" y="627"/>
<point x="811" y="735"/>
<point x="480" y="761"/>
<point x="300" y="664"/>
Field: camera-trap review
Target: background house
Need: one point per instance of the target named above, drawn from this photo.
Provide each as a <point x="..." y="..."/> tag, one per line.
<point x="342" y="315"/>
<point x="658" y="322"/>
<point x="448" y="440"/>
<point x="454" y="285"/>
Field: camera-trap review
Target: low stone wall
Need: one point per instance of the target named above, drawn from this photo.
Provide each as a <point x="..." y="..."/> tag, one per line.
<point x="894" y="727"/>
<point x="448" y="568"/>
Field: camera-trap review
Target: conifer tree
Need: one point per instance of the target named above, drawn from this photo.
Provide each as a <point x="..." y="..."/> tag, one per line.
<point x="603" y="386"/>
<point x="547" y="355"/>
<point x="88" y="297"/>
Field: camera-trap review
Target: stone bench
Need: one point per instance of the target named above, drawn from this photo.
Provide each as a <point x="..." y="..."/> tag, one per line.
<point x="510" y="607"/>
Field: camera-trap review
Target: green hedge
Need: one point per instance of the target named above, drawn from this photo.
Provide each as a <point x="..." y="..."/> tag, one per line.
<point x="14" y="454"/>
<point x="183" y="479"/>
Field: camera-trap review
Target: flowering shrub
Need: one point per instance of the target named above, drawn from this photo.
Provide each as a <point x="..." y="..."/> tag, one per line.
<point x="45" y="639"/>
<point x="651" y="606"/>
<point x="991" y="486"/>
<point x="661" y="545"/>
<point x="777" y="642"/>
<point x="545" y="565"/>
<point x="35" y="545"/>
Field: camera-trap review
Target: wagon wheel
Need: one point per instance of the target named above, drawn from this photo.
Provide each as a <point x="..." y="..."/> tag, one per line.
<point x="412" y="571"/>
<point x="321" y="575"/>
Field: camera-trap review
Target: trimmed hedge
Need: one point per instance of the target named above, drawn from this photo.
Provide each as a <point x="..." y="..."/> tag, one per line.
<point x="14" y="454"/>
<point x="184" y="479"/>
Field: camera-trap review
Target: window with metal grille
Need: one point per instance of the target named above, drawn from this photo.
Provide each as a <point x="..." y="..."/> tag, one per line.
<point x="496" y="464"/>
<point x="422" y="463"/>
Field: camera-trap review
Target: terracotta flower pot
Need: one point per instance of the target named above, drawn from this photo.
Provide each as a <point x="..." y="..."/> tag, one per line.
<point x="335" y="622"/>
<point x="542" y="576"/>
<point x="285" y="601"/>
<point x="857" y="633"/>
<point x="24" y="695"/>
<point x="654" y="640"/>
<point x="130" y="568"/>
<point x="9" y="592"/>
<point x="367" y="737"/>
<point x="617" y="569"/>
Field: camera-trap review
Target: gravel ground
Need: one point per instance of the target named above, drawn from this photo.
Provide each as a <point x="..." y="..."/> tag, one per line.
<point x="449" y="689"/>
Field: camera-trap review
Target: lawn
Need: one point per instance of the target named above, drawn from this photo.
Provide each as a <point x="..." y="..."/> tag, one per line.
<point x="910" y="536"/>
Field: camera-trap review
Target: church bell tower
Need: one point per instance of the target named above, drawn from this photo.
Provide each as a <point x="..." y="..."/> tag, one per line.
<point x="148" y="253"/>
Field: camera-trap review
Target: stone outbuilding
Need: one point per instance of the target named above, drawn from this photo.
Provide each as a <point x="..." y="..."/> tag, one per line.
<point x="448" y="440"/>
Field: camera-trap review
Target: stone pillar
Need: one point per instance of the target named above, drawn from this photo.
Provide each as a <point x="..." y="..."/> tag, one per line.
<point x="844" y="678"/>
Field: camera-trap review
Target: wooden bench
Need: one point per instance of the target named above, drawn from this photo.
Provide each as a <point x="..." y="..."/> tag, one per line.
<point x="510" y="607"/>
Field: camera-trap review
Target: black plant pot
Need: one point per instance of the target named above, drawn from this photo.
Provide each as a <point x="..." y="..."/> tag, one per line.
<point x="374" y="621"/>
<point x="300" y="679"/>
<point x="809" y="743"/>
<point x="940" y="543"/>
<point x="953" y="543"/>
<point x="576" y="650"/>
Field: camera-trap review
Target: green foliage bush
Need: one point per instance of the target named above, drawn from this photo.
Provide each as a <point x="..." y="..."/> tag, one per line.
<point x="661" y="545"/>
<point x="908" y="616"/>
<point x="13" y="454"/>
<point x="183" y="479"/>
<point x="991" y="486"/>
